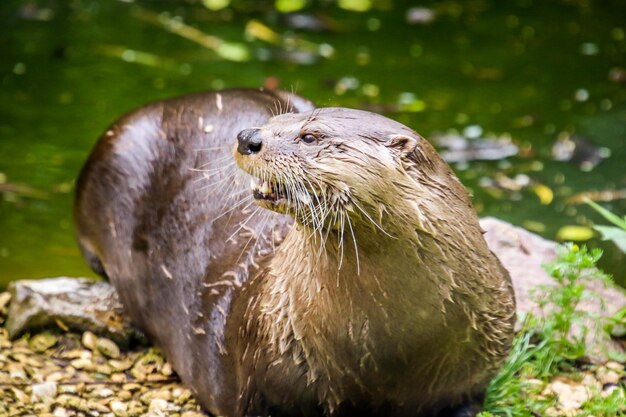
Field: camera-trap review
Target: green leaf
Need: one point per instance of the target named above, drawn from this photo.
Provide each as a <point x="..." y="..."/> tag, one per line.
<point x="616" y="220"/>
<point x="617" y="235"/>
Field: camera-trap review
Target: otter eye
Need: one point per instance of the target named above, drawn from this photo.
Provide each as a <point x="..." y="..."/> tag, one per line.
<point x="308" y="138"/>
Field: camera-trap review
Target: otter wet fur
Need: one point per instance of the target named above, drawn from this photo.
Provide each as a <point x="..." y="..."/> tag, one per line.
<point x="333" y="267"/>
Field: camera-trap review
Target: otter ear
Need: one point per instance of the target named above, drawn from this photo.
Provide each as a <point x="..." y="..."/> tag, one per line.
<point x="402" y="144"/>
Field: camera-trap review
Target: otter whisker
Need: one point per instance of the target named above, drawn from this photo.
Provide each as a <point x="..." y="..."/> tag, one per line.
<point x="323" y="239"/>
<point x="353" y="201"/>
<point x="212" y="170"/>
<point x="288" y="105"/>
<point x="222" y="158"/>
<point x="341" y="241"/>
<point x="213" y="148"/>
<point x="227" y="179"/>
<point x="248" y="198"/>
<point x="254" y="233"/>
<point x="243" y="223"/>
<point x="230" y="176"/>
<point x="356" y="249"/>
<point x="208" y="191"/>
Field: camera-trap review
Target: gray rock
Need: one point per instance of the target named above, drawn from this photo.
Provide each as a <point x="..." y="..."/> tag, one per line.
<point x="79" y="304"/>
<point x="523" y="253"/>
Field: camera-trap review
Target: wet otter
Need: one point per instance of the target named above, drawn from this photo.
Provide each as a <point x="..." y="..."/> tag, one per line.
<point x="380" y="297"/>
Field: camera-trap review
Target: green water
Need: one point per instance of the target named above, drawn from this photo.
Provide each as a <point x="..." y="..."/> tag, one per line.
<point x="531" y="71"/>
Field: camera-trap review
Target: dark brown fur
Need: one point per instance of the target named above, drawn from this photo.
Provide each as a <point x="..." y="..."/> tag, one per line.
<point x="405" y="313"/>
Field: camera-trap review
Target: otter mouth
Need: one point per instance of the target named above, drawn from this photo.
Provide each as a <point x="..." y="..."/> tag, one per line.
<point x="267" y="192"/>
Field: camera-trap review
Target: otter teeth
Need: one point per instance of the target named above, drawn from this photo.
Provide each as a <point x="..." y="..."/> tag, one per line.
<point x="265" y="188"/>
<point x="262" y="189"/>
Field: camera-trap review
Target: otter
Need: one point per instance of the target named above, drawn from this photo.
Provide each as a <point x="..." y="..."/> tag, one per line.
<point x="338" y="270"/>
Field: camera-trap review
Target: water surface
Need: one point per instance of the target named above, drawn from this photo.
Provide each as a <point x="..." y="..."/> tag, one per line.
<point x="531" y="71"/>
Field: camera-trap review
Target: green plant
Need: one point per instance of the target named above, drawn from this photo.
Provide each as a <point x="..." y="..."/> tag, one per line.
<point x="572" y="266"/>
<point x="545" y="346"/>
<point x="611" y="405"/>
<point x="507" y="393"/>
<point x="616" y="234"/>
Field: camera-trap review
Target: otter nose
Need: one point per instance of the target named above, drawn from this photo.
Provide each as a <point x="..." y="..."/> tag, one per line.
<point x="250" y="141"/>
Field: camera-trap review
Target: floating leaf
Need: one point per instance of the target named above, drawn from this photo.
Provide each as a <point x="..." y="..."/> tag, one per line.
<point x="355" y="5"/>
<point x="575" y="233"/>
<point x="258" y="30"/>
<point x="287" y="6"/>
<point x="534" y="226"/>
<point x="227" y="50"/>
<point x="544" y="193"/>
<point x="233" y="51"/>
<point x="615" y="234"/>
<point x="216" y="4"/>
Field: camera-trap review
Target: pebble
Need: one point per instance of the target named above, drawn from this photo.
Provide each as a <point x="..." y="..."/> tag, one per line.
<point x="60" y="412"/>
<point x="616" y="366"/>
<point x="591" y="382"/>
<point x="124" y="395"/>
<point x="108" y="348"/>
<point x="44" y="392"/>
<point x="118" y="407"/>
<point x="571" y="396"/>
<point x="66" y="381"/>
<point x="104" y="392"/>
<point x="89" y="340"/>
<point x="20" y="396"/>
<point x="166" y="369"/>
<point x="192" y="414"/>
<point x="85" y="364"/>
<point x="120" y="365"/>
<point x="5" y="297"/>
<point x="159" y="404"/>
<point x="606" y="376"/>
<point x="42" y="342"/>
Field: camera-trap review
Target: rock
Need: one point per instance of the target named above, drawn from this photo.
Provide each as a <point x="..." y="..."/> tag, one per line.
<point x="76" y="303"/>
<point x="523" y="253"/>
<point x="44" y="392"/>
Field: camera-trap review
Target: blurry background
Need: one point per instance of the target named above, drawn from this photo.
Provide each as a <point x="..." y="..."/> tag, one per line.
<point x="526" y="99"/>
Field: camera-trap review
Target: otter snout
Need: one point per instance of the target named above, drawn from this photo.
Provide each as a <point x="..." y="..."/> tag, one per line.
<point x="250" y="141"/>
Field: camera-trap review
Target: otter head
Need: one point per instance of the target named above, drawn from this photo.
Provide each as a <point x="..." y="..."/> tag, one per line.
<point x="321" y="165"/>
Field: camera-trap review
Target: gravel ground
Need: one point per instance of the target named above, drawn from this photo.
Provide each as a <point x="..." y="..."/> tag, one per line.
<point x="65" y="374"/>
